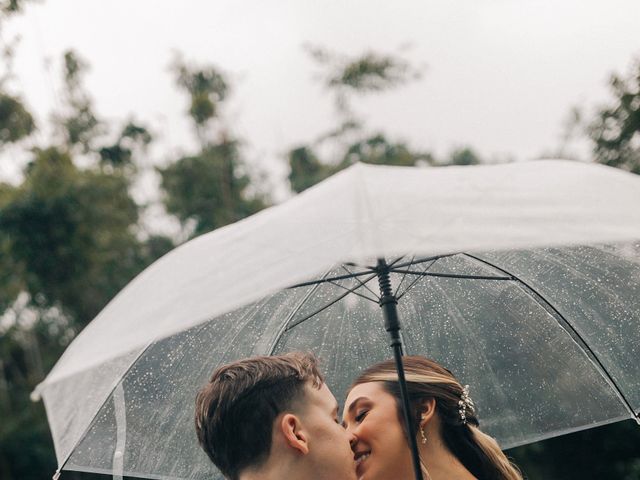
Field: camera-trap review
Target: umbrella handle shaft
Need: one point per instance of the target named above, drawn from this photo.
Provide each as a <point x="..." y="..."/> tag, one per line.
<point x="396" y="344"/>
<point x="388" y="302"/>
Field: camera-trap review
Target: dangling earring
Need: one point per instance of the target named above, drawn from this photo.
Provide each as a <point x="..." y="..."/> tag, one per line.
<point x="424" y="437"/>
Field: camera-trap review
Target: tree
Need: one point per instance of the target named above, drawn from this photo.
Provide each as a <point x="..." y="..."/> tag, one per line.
<point x="210" y="188"/>
<point x="306" y="168"/>
<point x="347" y="77"/>
<point x="119" y="155"/>
<point x="77" y="122"/>
<point x="71" y="230"/>
<point x="610" y="451"/>
<point x="70" y="239"/>
<point x="16" y="123"/>
<point x="369" y="72"/>
<point x="463" y="156"/>
<point x="207" y="189"/>
<point x="9" y="7"/>
<point x="207" y="89"/>
<point x="615" y="130"/>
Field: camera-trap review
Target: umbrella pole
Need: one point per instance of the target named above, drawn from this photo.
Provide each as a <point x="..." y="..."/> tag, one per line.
<point x="388" y="302"/>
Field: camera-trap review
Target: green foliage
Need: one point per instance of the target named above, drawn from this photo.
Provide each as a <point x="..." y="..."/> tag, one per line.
<point x="16" y="122"/>
<point x="463" y="156"/>
<point x="120" y="154"/>
<point x="208" y="189"/>
<point x="11" y="270"/>
<point x="372" y="72"/>
<point x="615" y="131"/>
<point x="612" y="451"/>
<point x="378" y="150"/>
<point x="72" y="231"/>
<point x="78" y="122"/>
<point x="8" y="7"/>
<point x="368" y="72"/>
<point x="365" y="73"/>
<point x="206" y="87"/>
<point x="347" y="76"/>
<point x="26" y="354"/>
<point x="306" y="169"/>
<point x="67" y="246"/>
<point x="25" y="442"/>
<point x="70" y="237"/>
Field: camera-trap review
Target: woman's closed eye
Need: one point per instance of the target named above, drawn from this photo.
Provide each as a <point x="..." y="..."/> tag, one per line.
<point x="360" y="416"/>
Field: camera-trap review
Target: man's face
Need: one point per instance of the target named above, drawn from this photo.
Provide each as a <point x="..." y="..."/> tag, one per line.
<point x="329" y="442"/>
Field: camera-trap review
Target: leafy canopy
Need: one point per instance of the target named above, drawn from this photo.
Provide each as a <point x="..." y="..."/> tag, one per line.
<point x="615" y="130"/>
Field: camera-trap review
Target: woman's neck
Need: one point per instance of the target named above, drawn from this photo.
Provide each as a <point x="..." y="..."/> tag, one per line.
<point x="441" y="463"/>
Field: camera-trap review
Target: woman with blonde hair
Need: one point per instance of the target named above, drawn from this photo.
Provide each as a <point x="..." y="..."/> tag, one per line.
<point x="451" y="445"/>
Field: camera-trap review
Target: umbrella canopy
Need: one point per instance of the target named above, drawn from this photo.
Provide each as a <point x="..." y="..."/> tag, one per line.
<point x="538" y="315"/>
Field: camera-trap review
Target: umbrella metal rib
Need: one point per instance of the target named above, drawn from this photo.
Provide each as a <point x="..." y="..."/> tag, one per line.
<point x="452" y="275"/>
<point x="296" y="309"/>
<point x="388" y="303"/>
<point x="58" y="471"/>
<point x="371" y="270"/>
<point x="572" y="331"/>
<point x="415" y="280"/>
<point x="405" y="275"/>
<point x="332" y="279"/>
<point x="357" y="279"/>
<point x="422" y="260"/>
<point x="327" y="305"/>
<point x="355" y="292"/>
<point x="376" y="272"/>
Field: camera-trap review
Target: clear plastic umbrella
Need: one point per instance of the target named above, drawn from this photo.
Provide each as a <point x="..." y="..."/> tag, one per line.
<point x="539" y="314"/>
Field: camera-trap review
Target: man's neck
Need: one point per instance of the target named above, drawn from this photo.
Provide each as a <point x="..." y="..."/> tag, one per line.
<point x="276" y="471"/>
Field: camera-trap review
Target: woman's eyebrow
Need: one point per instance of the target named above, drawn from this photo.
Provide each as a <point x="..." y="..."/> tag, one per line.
<point x="353" y="405"/>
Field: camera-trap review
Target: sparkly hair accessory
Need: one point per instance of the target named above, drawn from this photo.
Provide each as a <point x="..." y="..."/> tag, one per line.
<point x="465" y="404"/>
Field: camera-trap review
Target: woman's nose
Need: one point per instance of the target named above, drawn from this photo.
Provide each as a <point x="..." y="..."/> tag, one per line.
<point x="353" y="440"/>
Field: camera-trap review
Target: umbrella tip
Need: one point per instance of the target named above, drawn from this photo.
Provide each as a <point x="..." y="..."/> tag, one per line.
<point x="636" y="417"/>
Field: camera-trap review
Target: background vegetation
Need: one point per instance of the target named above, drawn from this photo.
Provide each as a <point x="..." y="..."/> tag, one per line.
<point x="72" y="234"/>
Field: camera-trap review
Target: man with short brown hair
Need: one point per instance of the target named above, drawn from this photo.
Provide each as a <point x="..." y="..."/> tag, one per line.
<point x="273" y="418"/>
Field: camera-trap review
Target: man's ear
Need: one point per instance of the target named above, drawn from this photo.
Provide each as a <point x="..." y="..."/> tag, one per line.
<point x="427" y="409"/>
<point x="293" y="434"/>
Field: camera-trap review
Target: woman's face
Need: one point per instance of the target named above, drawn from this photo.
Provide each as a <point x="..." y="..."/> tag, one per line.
<point x="381" y="449"/>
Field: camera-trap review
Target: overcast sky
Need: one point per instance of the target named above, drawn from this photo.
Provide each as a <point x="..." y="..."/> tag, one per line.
<point x="501" y="76"/>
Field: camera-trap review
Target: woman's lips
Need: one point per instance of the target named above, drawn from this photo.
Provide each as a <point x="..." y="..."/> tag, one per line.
<point x="360" y="459"/>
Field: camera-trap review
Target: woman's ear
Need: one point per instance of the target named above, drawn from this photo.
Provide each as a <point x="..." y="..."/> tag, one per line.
<point x="294" y="436"/>
<point x="427" y="409"/>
